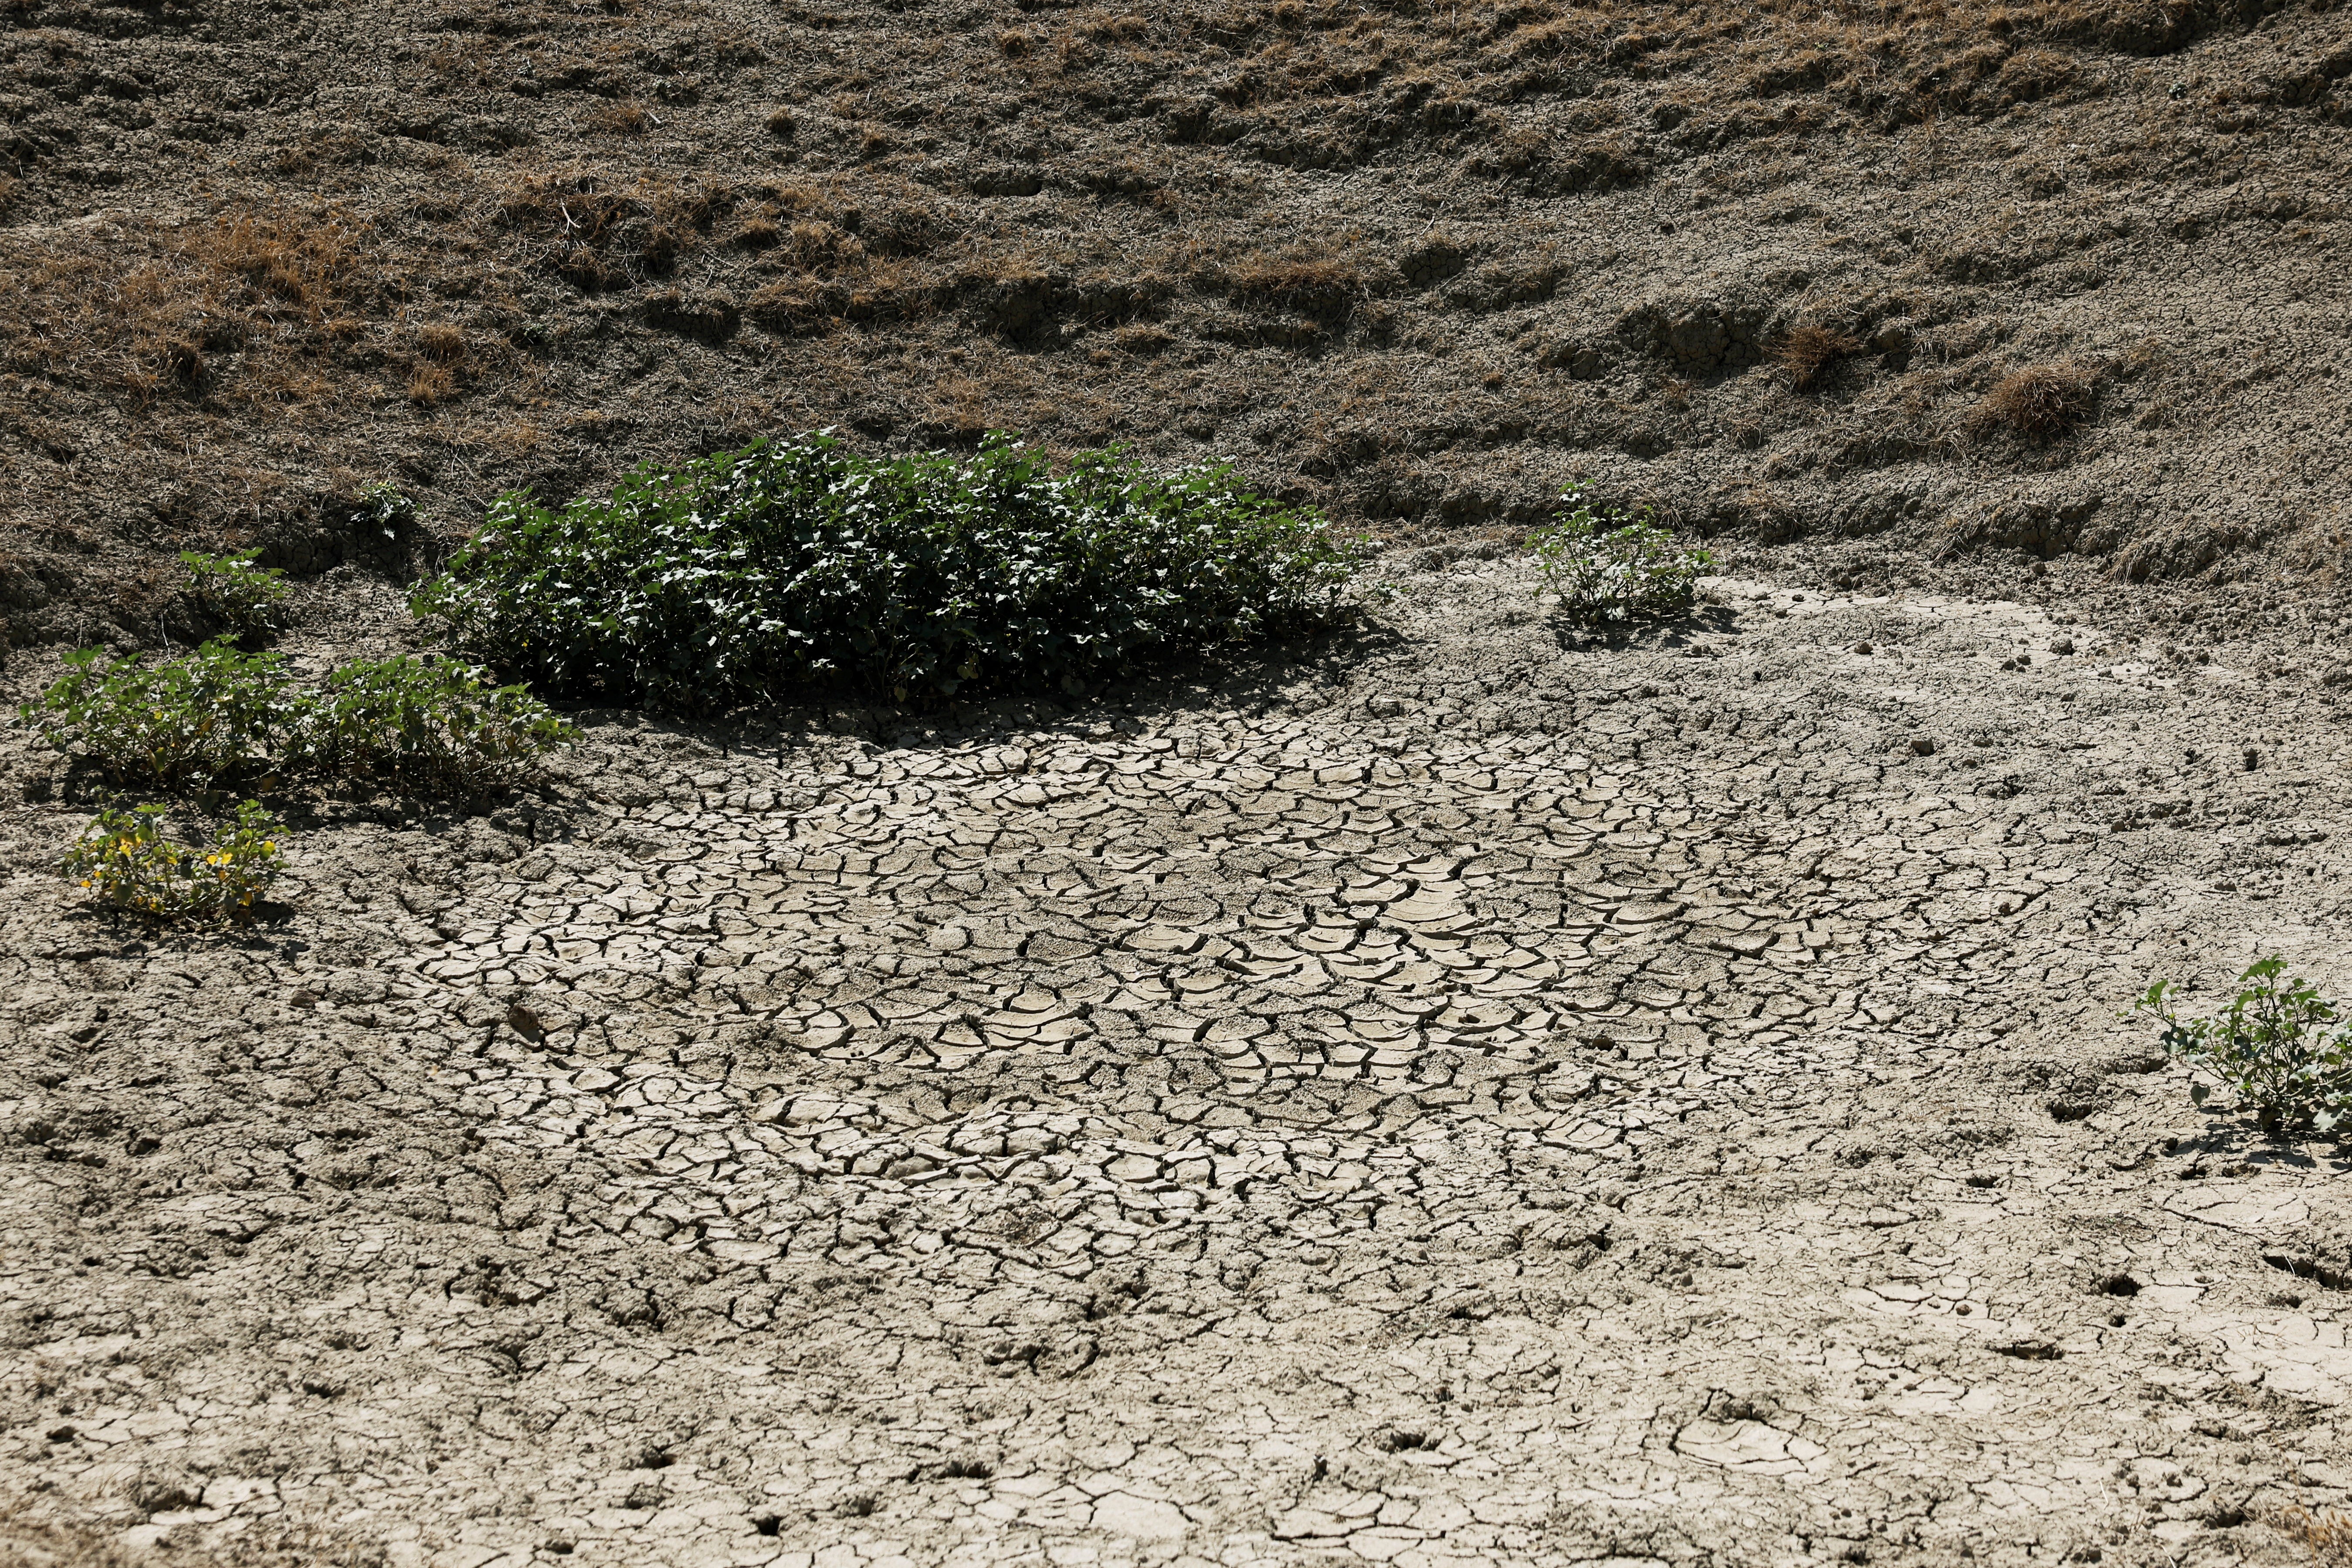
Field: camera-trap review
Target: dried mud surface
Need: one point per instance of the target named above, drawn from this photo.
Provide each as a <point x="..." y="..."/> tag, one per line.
<point x="1485" y="1096"/>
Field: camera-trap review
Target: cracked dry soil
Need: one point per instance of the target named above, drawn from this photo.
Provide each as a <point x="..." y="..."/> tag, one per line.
<point x="1476" y="1100"/>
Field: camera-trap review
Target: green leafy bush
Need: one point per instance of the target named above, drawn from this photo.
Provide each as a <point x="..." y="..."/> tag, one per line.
<point x="1612" y="567"/>
<point x="428" y="725"/>
<point x="218" y="716"/>
<point x="2277" y="1047"/>
<point x="211" y="715"/>
<point x="125" y="862"/>
<point x="800" y="562"/>
<point x="235" y="590"/>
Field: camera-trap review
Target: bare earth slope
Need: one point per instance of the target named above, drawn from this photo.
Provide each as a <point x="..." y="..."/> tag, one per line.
<point x="1473" y="1101"/>
<point x="1421" y="264"/>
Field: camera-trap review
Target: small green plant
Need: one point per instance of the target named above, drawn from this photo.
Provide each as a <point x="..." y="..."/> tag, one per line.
<point x="383" y="507"/>
<point x="236" y="592"/>
<point x="428" y="725"/>
<point x="802" y="564"/>
<point x="2278" y="1047"/>
<point x="1609" y="566"/>
<point x="188" y="721"/>
<point x="218" y="717"/>
<point x="125" y="862"/>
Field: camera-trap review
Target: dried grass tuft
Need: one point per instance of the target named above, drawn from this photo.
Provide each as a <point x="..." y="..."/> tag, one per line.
<point x="2327" y="1533"/>
<point x="1809" y="353"/>
<point x="624" y="118"/>
<point x="821" y="249"/>
<point x="431" y="385"/>
<point x="2039" y="403"/>
<point x="249" y="287"/>
<point x="1310" y="283"/>
<point x="441" y="342"/>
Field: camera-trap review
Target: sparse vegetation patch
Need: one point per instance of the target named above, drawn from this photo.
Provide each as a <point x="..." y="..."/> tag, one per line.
<point x="124" y="861"/>
<point x="427" y="726"/>
<point x="2278" y="1047"/>
<point x="803" y="562"/>
<point x="236" y="592"/>
<point x="1612" y="566"/>
<point x="218" y="716"/>
<point x="178" y="722"/>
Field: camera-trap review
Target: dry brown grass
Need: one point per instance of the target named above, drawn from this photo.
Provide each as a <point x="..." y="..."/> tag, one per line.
<point x="820" y="248"/>
<point x="760" y="233"/>
<point x="441" y="342"/>
<point x="170" y="326"/>
<point x="248" y="285"/>
<point x="624" y="118"/>
<point x="291" y="263"/>
<point x="1904" y="60"/>
<point x="1311" y="282"/>
<point x="1142" y="339"/>
<point x="441" y="296"/>
<point x="2325" y="1534"/>
<point x="431" y="385"/>
<point x="1810" y="352"/>
<point x="2036" y="403"/>
<point x="599" y="232"/>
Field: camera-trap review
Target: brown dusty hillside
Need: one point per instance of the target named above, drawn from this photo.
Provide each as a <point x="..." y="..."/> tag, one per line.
<point x="2044" y="275"/>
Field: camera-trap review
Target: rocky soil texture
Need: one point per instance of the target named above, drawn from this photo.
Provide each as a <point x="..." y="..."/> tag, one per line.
<point x="1484" y="1097"/>
<point x="1774" y="267"/>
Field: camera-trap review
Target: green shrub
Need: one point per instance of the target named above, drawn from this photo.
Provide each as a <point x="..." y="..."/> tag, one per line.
<point x="235" y="590"/>
<point x="214" y="714"/>
<point x="428" y="725"/>
<point x="1612" y="567"/>
<point x="801" y="564"/>
<point x="127" y="864"/>
<point x="2278" y="1047"/>
<point x="219" y="716"/>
